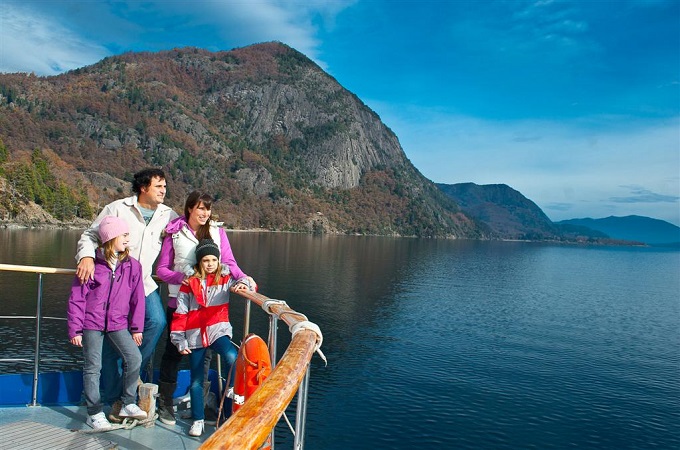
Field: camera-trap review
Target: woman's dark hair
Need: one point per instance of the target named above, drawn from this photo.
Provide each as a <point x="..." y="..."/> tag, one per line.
<point x="143" y="179"/>
<point x="195" y="199"/>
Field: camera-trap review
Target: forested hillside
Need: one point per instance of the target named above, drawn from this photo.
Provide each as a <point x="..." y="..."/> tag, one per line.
<point x="507" y="213"/>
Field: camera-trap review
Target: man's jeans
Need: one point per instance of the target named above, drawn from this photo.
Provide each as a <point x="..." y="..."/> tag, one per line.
<point x="124" y="346"/>
<point x="154" y="323"/>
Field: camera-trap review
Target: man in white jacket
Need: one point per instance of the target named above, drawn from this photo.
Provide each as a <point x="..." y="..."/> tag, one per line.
<point x="147" y="217"/>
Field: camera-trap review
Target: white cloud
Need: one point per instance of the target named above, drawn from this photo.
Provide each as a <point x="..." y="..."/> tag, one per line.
<point x="243" y="23"/>
<point x="52" y="37"/>
<point x="30" y="42"/>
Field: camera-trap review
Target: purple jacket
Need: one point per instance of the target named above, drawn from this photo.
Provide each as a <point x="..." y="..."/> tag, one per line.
<point x="113" y="301"/>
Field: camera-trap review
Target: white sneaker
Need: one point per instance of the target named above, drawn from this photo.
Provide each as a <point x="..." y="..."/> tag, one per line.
<point x="197" y="428"/>
<point x="133" y="411"/>
<point x="98" y="421"/>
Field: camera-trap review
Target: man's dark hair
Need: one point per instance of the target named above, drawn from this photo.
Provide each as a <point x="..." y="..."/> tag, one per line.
<point x="143" y="179"/>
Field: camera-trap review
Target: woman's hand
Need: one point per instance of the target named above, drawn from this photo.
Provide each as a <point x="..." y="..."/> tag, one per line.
<point x="253" y="284"/>
<point x="137" y="337"/>
<point x="77" y="341"/>
<point x="186" y="351"/>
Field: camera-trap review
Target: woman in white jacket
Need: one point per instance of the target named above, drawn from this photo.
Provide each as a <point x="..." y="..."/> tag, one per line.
<point x="177" y="257"/>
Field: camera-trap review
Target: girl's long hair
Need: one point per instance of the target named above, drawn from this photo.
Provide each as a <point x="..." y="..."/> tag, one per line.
<point x="194" y="199"/>
<point x="110" y="253"/>
<point x="202" y="274"/>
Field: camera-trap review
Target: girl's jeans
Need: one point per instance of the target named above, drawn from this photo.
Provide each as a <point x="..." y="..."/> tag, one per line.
<point x="154" y="323"/>
<point x="172" y="357"/>
<point x="228" y="351"/>
<point x="121" y="341"/>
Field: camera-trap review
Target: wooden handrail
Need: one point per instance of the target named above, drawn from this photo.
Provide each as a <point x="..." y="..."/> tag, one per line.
<point x="36" y="269"/>
<point x="253" y="422"/>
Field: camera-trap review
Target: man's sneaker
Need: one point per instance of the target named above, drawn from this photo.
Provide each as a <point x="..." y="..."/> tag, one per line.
<point x="196" y="428"/>
<point x="132" y="411"/>
<point x="166" y="414"/>
<point x="114" y="415"/>
<point x="98" y="421"/>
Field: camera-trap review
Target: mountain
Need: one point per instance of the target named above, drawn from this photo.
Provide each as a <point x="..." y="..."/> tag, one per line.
<point x="279" y="143"/>
<point x="506" y="212"/>
<point x="632" y="228"/>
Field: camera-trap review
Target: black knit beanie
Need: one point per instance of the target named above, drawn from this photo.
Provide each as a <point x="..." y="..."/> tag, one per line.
<point x="206" y="247"/>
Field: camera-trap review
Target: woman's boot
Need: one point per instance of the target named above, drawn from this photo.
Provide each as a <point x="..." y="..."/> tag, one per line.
<point x="166" y="410"/>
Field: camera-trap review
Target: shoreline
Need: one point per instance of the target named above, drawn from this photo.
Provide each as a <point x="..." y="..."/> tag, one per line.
<point x="83" y="225"/>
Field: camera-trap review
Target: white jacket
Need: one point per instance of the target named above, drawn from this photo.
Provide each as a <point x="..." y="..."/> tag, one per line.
<point x="184" y="243"/>
<point x="145" y="240"/>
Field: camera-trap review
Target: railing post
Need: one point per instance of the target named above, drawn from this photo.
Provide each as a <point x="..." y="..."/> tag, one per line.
<point x="246" y="320"/>
<point x="301" y="414"/>
<point x="272" y="341"/>
<point x="36" y="361"/>
<point x="273" y="335"/>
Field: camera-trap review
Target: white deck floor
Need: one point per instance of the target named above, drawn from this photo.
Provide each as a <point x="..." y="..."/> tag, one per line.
<point x="50" y="427"/>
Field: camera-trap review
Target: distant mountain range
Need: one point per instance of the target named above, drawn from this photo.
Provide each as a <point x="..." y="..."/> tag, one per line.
<point x="507" y="214"/>
<point x="632" y="228"/>
<point x="504" y="211"/>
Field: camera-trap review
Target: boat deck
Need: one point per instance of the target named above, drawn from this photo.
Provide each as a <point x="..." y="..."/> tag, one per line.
<point x="63" y="427"/>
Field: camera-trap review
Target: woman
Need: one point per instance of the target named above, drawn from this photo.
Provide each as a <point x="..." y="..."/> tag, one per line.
<point x="177" y="258"/>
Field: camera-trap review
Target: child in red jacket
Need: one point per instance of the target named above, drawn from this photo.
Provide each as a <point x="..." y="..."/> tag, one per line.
<point x="201" y="320"/>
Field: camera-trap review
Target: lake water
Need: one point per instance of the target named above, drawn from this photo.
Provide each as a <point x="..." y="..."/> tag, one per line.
<point x="441" y="343"/>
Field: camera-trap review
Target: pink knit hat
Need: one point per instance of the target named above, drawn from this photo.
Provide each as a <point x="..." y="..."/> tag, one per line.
<point x="111" y="227"/>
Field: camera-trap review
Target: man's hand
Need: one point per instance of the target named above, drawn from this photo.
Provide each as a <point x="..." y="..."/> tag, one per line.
<point x="85" y="269"/>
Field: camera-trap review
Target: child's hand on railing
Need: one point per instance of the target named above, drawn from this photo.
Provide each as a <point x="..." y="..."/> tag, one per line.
<point x="245" y="284"/>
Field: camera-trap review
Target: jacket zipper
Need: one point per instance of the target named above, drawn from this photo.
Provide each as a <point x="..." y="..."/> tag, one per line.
<point x="108" y="300"/>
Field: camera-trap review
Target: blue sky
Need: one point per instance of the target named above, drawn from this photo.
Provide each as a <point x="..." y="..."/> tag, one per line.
<point x="576" y="104"/>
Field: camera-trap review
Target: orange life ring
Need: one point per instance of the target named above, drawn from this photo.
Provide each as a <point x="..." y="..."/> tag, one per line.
<point x="253" y="366"/>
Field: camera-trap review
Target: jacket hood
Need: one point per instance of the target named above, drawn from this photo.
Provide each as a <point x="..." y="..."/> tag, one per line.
<point x="175" y="225"/>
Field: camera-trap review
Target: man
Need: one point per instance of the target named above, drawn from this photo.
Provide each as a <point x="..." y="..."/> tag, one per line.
<point x="147" y="217"/>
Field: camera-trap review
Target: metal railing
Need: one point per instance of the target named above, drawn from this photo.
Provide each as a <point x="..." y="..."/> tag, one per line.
<point x="250" y="426"/>
<point x="40" y="271"/>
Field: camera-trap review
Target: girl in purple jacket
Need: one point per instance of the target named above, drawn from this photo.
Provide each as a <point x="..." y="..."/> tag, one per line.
<point x="111" y="306"/>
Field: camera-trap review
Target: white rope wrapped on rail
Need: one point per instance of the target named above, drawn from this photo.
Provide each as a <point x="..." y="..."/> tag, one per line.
<point x="307" y="325"/>
<point x="267" y="304"/>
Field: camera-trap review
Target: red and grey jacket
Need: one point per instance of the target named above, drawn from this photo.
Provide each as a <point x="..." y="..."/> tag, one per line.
<point x="202" y="314"/>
